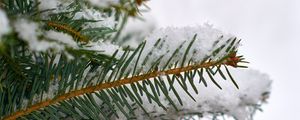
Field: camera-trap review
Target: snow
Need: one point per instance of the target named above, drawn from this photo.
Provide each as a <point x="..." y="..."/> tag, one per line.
<point x="61" y="37"/>
<point x="48" y="4"/>
<point x="53" y="90"/>
<point x="4" y="24"/>
<point x="103" y="20"/>
<point x="172" y="38"/>
<point x="103" y="3"/>
<point x="102" y="47"/>
<point x="29" y="31"/>
<point x="87" y="12"/>
<point x="231" y="101"/>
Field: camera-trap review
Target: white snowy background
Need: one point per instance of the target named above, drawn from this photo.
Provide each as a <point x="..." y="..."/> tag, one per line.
<point x="270" y="30"/>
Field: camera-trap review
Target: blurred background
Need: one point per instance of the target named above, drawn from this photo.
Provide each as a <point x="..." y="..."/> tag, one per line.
<point x="270" y="30"/>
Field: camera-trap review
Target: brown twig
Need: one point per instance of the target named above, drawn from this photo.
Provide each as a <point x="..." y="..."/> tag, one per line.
<point x="69" y="29"/>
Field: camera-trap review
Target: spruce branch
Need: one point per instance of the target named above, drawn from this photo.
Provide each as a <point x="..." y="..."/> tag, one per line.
<point x="117" y="83"/>
<point x="60" y="61"/>
<point x="182" y="69"/>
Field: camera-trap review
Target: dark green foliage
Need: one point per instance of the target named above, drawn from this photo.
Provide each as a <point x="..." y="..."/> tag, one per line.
<point x="20" y="7"/>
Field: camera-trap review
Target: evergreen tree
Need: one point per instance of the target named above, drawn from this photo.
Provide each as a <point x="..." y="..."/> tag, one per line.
<point x="72" y="59"/>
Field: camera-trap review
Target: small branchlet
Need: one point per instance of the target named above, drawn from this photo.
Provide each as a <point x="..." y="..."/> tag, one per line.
<point x="83" y="39"/>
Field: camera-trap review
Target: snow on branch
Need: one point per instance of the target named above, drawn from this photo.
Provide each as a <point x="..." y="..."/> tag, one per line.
<point x="169" y="45"/>
<point x="173" y="38"/>
<point x="103" y="20"/>
<point x="4" y="24"/>
<point x="103" y="3"/>
<point x="29" y="31"/>
<point x="237" y="103"/>
<point x="165" y="41"/>
<point x="48" y="4"/>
